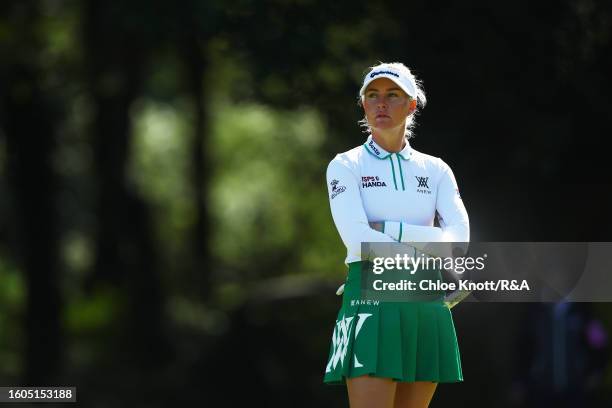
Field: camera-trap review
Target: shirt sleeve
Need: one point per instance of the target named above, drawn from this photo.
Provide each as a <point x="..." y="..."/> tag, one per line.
<point x="452" y="217"/>
<point x="347" y="209"/>
<point x="404" y="232"/>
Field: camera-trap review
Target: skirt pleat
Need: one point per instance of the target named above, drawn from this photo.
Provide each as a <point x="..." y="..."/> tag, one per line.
<point x="410" y="333"/>
<point x="389" y="338"/>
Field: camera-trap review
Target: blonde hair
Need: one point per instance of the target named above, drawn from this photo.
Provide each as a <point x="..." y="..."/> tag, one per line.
<point x="421" y="99"/>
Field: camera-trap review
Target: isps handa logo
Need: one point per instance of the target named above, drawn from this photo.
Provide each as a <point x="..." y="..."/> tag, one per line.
<point x="336" y="189"/>
<point x="372" y="181"/>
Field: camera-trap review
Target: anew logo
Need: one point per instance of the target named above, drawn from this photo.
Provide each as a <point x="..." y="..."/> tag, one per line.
<point x="336" y="189"/>
<point x="372" y="181"/>
<point x="423" y="183"/>
<point x="341" y="338"/>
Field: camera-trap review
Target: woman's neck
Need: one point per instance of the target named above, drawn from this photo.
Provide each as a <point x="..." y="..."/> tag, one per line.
<point x="391" y="140"/>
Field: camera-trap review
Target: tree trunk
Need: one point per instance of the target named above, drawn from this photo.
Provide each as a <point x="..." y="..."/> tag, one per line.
<point x="196" y="63"/>
<point x="126" y="254"/>
<point x="29" y="123"/>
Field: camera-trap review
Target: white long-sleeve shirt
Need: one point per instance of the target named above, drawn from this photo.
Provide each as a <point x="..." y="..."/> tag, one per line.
<point x="405" y="190"/>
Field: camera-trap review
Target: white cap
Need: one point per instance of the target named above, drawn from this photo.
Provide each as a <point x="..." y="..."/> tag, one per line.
<point x="397" y="72"/>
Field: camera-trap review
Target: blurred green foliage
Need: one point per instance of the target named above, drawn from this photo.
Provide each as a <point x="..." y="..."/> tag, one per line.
<point x="12" y="301"/>
<point x="268" y="200"/>
<point x="160" y="166"/>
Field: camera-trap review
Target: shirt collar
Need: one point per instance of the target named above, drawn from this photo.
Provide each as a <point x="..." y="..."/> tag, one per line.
<point x="374" y="149"/>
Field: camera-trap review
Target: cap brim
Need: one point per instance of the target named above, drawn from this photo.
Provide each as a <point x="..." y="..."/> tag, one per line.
<point x="397" y="81"/>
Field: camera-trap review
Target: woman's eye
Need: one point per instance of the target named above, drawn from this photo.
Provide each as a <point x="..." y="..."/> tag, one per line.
<point x="372" y="95"/>
<point x="393" y="95"/>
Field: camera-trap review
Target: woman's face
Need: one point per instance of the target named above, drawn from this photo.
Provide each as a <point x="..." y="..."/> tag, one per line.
<point x="386" y="105"/>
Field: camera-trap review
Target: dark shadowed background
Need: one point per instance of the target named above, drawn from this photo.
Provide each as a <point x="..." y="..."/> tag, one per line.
<point x="165" y="234"/>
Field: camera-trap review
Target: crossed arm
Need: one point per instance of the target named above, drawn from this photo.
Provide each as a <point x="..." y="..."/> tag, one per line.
<point x="354" y="228"/>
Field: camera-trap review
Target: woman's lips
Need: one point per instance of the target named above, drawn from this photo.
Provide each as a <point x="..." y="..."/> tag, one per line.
<point x="381" y="115"/>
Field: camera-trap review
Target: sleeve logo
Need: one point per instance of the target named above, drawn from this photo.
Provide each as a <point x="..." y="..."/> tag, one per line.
<point x="336" y="189"/>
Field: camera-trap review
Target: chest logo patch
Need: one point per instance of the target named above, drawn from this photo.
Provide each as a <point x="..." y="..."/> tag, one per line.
<point x="372" y="181"/>
<point x="423" y="187"/>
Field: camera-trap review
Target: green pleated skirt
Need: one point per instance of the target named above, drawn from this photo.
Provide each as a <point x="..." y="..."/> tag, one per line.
<point x="403" y="341"/>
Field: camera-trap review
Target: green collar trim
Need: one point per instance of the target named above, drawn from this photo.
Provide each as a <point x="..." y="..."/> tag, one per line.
<point x="375" y="150"/>
<point x="405" y="155"/>
<point x="379" y="156"/>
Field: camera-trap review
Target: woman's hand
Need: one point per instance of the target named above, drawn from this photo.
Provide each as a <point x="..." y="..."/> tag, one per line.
<point x="378" y="226"/>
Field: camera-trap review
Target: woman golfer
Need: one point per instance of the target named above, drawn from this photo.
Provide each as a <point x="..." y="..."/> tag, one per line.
<point x="392" y="354"/>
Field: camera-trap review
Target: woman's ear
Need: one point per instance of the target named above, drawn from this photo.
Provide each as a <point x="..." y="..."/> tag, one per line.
<point x="413" y="105"/>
